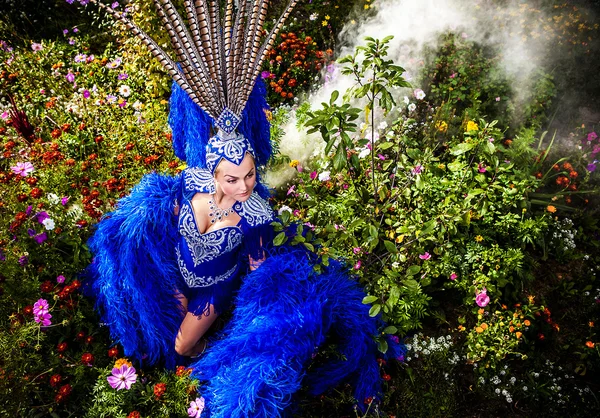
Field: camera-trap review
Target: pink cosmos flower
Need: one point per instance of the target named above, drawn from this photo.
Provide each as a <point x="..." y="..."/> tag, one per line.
<point x="481" y="168"/>
<point x="122" y="378"/>
<point x="70" y="77"/>
<point x="291" y="190"/>
<point x="196" y="408"/>
<point x="60" y="279"/>
<point x="358" y="265"/>
<point x="36" y="46"/>
<point x="23" y="169"/>
<point x="453" y="276"/>
<point x="482" y="299"/>
<point x="418" y="169"/>
<point x="41" y="307"/>
<point x="357" y="250"/>
<point x="425" y="256"/>
<point x="43" y="319"/>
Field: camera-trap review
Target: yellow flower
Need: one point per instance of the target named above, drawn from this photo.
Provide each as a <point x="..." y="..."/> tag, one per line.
<point x="269" y="115"/>
<point x="480" y="311"/>
<point x="294" y="163"/>
<point x="472" y="126"/>
<point x="478" y="238"/>
<point x="441" y="166"/>
<point x="366" y="6"/>
<point x="461" y="328"/>
<point x="121" y="362"/>
<point x="531" y="299"/>
<point x="441" y="126"/>
<point x="324" y="23"/>
<point x="327" y="17"/>
<point x="527" y="322"/>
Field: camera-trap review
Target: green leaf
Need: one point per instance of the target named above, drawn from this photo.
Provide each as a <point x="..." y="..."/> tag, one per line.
<point x="279" y="239"/>
<point x="390" y="330"/>
<point x="369" y="299"/>
<point x="390" y="247"/>
<point x="334" y="96"/>
<point x="373" y="233"/>
<point x="412" y="270"/>
<point x="374" y="310"/>
<point x="462" y="148"/>
<point x="382" y="346"/>
<point x="340" y="159"/>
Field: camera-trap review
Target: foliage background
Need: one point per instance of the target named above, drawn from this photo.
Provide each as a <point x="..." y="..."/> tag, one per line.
<point x="450" y="193"/>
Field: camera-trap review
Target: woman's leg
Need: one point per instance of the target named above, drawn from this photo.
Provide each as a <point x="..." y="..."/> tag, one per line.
<point x="191" y="330"/>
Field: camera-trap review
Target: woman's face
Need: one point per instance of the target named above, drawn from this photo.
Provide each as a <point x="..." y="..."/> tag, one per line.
<point x="237" y="181"/>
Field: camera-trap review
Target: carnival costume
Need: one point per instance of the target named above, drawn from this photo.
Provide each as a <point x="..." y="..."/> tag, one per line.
<point x="144" y="254"/>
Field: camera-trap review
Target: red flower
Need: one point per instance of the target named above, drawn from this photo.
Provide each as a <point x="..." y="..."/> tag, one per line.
<point x="47" y="286"/>
<point x="80" y="335"/>
<point x="114" y="352"/>
<point x="134" y="414"/>
<point x="386" y="377"/>
<point x="541" y="337"/>
<point x="59" y="398"/>
<point x="369" y="400"/>
<point x="65" y="390"/>
<point x="89" y="339"/>
<point x="62" y="347"/>
<point x="159" y="389"/>
<point x="28" y="310"/>
<point x="87" y="359"/>
<point x="55" y="380"/>
<point x="36" y="193"/>
<point x="76" y="284"/>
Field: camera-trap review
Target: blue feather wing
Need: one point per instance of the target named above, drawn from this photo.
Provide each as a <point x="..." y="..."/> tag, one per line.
<point x="134" y="273"/>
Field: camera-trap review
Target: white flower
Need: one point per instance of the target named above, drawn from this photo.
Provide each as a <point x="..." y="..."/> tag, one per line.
<point x="419" y="94"/>
<point x="406" y="100"/>
<point x="412" y="107"/>
<point x="124" y="90"/>
<point x="48" y="223"/>
<point x="52" y="198"/>
<point x="324" y="176"/>
<point x="137" y="105"/>
<point x="313" y="16"/>
<point x="364" y="153"/>
<point x="525" y="388"/>
<point x="283" y="209"/>
<point x="382" y="126"/>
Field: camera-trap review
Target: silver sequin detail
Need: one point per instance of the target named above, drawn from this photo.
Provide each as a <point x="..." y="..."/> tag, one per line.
<point x="208" y="246"/>
<point x="199" y="180"/>
<point x="255" y="210"/>
<point x="193" y="280"/>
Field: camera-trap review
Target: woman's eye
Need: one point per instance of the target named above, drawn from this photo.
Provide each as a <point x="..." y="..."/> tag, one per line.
<point x="250" y="175"/>
<point x="230" y="181"/>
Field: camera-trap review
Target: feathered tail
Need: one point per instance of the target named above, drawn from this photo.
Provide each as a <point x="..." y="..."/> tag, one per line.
<point x="284" y="312"/>
<point x="134" y="273"/>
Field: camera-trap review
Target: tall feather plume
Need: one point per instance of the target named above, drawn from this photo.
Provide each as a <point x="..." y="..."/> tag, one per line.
<point x="238" y="43"/>
<point x="228" y="50"/>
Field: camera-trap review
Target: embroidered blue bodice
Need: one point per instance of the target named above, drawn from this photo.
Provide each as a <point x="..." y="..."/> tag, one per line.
<point x="213" y="257"/>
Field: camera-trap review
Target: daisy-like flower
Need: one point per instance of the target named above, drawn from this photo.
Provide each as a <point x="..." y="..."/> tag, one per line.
<point x="23" y="169"/>
<point x="48" y="224"/>
<point x="125" y="90"/>
<point x="41" y="307"/>
<point x="425" y="256"/>
<point x="114" y="64"/>
<point x="36" y="46"/>
<point x="196" y="408"/>
<point x="80" y="58"/>
<point x="419" y="94"/>
<point x="43" y="319"/>
<point x="412" y="107"/>
<point x="122" y="378"/>
<point x="324" y="176"/>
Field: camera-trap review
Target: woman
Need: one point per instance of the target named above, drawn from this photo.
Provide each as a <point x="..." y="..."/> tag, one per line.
<point x="210" y="224"/>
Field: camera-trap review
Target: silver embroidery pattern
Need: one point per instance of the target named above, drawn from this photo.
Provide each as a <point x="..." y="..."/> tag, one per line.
<point x="208" y="246"/>
<point x="233" y="150"/>
<point x="255" y="210"/>
<point x="199" y="179"/>
<point x="194" y="280"/>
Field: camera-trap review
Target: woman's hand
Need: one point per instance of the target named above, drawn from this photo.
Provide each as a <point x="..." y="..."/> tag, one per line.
<point x="254" y="264"/>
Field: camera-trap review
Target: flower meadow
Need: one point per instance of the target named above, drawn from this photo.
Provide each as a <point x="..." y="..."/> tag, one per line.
<point x="471" y="225"/>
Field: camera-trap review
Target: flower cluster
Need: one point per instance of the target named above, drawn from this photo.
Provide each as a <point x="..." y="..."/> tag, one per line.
<point x="41" y="312"/>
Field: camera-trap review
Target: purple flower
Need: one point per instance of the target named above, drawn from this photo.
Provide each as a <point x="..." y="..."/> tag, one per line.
<point x="80" y="58"/>
<point x="60" y="279"/>
<point x="358" y="265"/>
<point x="71" y="41"/>
<point x="75" y="29"/>
<point x="417" y="169"/>
<point x="42" y="216"/>
<point x="70" y="2"/>
<point x="482" y="299"/>
<point x="381" y="157"/>
<point x="65" y="31"/>
<point x="86" y="94"/>
<point x="114" y="5"/>
<point x="481" y="168"/>
<point x="591" y="167"/>
<point x="2" y="256"/>
<point x="28" y="210"/>
<point x="265" y="74"/>
<point x="592" y="136"/>
<point x="44" y="319"/>
<point x="123" y="103"/>
<point x="356" y="250"/>
<point x="122" y="378"/>
<point x="40" y="238"/>
<point x="23" y="169"/>
<point x="70" y="77"/>
<point x="64" y="200"/>
<point x="36" y="47"/>
<point x="425" y="256"/>
<point x="90" y="58"/>
<point x="41" y="307"/>
<point x="123" y="76"/>
<point x="23" y="260"/>
<point x="196" y="408"/>
<point x="596" y="149"/>
<point x="31" y="232"/>
<point x="291" y="190"/>
<point x="313" y="175"/>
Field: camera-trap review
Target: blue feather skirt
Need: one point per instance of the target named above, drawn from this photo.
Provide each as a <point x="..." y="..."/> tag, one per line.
<point x="283" y="313"/>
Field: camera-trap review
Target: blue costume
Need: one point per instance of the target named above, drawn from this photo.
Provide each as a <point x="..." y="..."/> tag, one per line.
<point x="145" y="255"/>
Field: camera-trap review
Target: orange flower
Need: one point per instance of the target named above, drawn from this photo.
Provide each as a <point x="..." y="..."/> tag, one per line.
<point x="480" y="311"/>
<point x="591" y="323"/>
<point x="484" y="326"/>
<point x="527" y="323"/>
<point x="479" y="330"/>
<point x="511" y="329"/>
<point x="590" y="344"/>
<point x="556" y="327"/>
<point x="567" y="166"/>
<point x="551" y="209"/>
<point x="518" y="334"/>
<point x="573" y="174"/>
